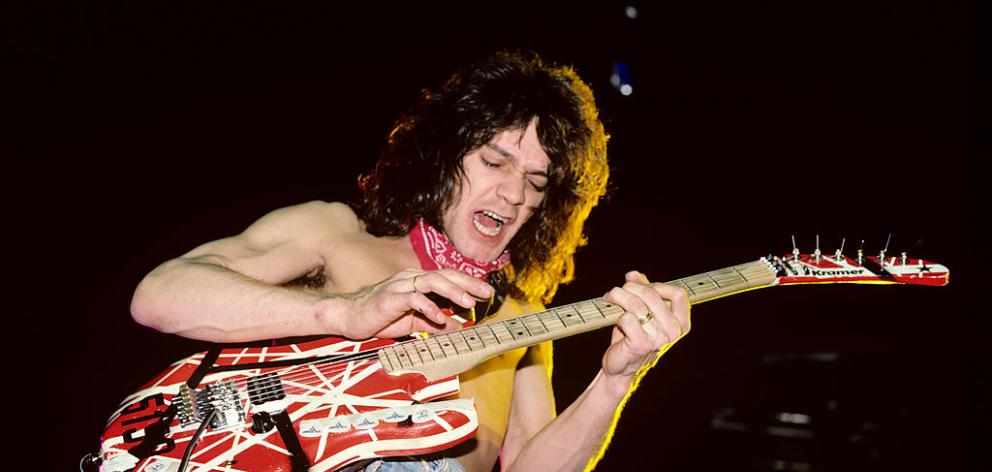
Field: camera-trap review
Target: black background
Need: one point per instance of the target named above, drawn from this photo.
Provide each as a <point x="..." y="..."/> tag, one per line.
<point x="143" y="130"/>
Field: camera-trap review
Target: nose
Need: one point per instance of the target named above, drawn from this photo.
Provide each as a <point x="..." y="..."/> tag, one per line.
<point x="512" y="189"/>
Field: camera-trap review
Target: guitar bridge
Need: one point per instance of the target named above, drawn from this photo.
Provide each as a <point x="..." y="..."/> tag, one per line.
<point x="196" y="405"/>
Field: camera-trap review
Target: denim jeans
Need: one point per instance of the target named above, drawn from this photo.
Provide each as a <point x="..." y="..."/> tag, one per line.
<point x="412" y="464"/>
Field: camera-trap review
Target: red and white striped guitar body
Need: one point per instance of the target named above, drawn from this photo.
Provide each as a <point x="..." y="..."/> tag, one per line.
<point x="343" y="412"/>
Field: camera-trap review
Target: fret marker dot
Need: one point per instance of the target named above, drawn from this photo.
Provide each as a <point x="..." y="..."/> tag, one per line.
<point x="520" y="333"/>
<point x="472" y="338"/>
<point x="446" y="344"/>
<point x="701" y="283"/>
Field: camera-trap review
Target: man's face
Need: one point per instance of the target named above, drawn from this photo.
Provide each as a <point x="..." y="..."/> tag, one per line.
<point x="503" y="184"/>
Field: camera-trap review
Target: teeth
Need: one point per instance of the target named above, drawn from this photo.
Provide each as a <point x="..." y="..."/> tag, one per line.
<point x="484" y="229"/>
<point x="494" y="216"/>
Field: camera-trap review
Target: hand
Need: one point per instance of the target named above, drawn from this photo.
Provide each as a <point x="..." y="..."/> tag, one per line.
<point x="398" y="305"/>
<point x="656" y="315"/>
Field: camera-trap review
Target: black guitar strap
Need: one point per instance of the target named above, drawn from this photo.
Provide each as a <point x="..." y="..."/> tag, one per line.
<point x="298" y="459"/>
<point x="204" y="368"/>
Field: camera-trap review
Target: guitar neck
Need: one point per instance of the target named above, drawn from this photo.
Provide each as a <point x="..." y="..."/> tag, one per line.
<point x="452" y="353"/>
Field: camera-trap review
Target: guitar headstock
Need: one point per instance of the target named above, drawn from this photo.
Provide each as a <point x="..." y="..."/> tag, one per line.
<point x="799" y="268"/>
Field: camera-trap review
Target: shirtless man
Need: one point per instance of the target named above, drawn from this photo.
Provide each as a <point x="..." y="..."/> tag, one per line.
<point x="502" y="164"/>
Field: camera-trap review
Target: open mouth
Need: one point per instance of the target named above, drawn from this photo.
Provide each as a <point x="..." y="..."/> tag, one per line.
<point x="489" y="223"/>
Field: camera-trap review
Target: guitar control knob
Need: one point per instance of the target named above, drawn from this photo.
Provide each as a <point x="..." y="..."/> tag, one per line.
<point x="261" y="423"/>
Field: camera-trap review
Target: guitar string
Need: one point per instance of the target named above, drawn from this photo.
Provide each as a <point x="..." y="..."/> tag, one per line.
<point x="330" y="368"/>
<point x="308" y="372"/>
<point x="334" y="367"/>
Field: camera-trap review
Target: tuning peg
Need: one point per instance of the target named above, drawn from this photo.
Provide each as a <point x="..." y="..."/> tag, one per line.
<point x="795" y="250"/>
<point x="861" y="252"/>
<point x="816" y="252"/>
<point x="881" y="254"/>
<point x="904" y="258"/>
<point x="839" y="253"/>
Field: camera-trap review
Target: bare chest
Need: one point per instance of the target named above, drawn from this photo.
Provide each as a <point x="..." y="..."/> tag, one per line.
<point x="357" y="260"/>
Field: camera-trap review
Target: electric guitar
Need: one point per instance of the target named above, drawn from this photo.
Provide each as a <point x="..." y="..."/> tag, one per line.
<point x="334" y="403"/>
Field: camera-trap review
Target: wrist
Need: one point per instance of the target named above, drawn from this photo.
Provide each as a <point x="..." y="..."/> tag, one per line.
<point x="326" y="312"/>
<point x="616" y="385"/>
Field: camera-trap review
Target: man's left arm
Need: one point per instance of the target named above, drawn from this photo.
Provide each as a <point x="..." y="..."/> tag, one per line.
<point x="535" y="439"/>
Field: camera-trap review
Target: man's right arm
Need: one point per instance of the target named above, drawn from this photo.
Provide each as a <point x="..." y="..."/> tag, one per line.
<point x="229" y="290"/>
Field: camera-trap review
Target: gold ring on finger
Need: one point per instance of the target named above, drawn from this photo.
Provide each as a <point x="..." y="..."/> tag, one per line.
<point x="415" y="282"/>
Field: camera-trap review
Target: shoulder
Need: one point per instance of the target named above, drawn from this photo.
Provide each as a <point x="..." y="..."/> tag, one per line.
<point x="306" y="221"/>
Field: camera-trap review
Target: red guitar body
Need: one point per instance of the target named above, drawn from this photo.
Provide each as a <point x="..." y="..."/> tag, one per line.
<point x="342" y="410"/>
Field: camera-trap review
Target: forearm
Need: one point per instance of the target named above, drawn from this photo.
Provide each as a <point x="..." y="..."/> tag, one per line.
<point x="581" y="432"/>
<point x="203" y="300"/>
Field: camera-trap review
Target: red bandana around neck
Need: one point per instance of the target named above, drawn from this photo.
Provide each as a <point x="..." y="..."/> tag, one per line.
<point x="436" y="252"/>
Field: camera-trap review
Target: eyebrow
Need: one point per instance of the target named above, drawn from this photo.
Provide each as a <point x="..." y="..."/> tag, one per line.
<point x="510" y="156"/>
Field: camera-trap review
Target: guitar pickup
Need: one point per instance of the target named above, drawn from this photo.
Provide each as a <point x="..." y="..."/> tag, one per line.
<point x="419" y="413"/>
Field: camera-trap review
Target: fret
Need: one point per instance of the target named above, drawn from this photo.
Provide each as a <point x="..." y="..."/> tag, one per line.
<point x="464" y="341"/>
<point x="686" y="286"/>
<point x="474" y="338"/>
<point x="404" y="358"/>
<point x="397" y="358"/>
<point x="534" y="325"/>
<point x="579" y="308"/>
<point x="726" y="278"/>
<point x="516" y="329"/>
<point x="702" y="284"/>
<point x="741" y="274"/>
<point x="412" y="353"/>
<point x="435" y="348"/>
<point x="710" y="277"/>
<point x="502" y="332"/>
<point x="602" y="304"/>
<point x="568" y="316"/>
<point x="424" y="348"/>
<point x="519" y="322"/>
<point x="389" y="362"/>
<point x="487" y="333"/>
<point x="552" y="319"/>
<point x="445" y="341"/>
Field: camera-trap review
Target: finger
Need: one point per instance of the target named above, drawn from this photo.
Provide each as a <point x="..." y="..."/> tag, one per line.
<point x="664" y="321"/>
<point x="426" y="307"/>
<point x="426" y="325"/>
<point x="627" y="300"/>
<point x="678" y="303"/>
<point x="458" y="289"/>
<point x="635" y="276"/>
<point x="476" y="287"/>
<point x="395" y="305"/>
<point x="635" y="337"/>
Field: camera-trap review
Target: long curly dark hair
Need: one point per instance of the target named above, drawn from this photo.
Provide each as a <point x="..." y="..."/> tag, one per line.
<point x="420" y="169"/>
